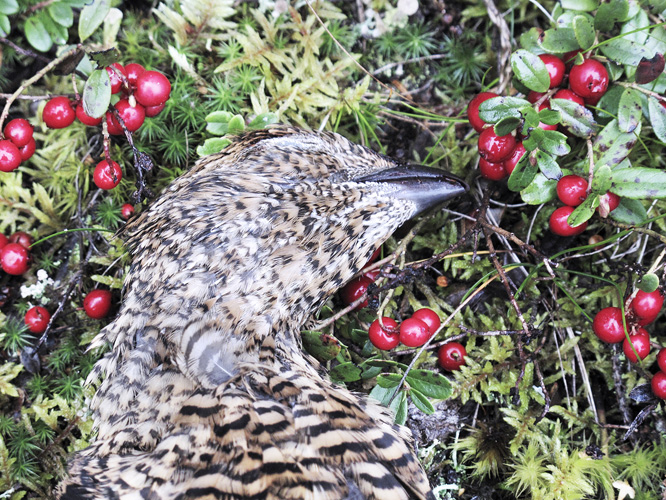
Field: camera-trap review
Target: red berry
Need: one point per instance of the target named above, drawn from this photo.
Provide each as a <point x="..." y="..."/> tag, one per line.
<point x="570" y="57"/>
<point x="661" y="359"/>
<point x="511" y="162"/>
<point x="492" y="171"/>
<point x="535" y="96"/>
<point x="58" y="113"/>
<point x="19" y="131"/>
<point x="133" y="116"/>
<point x="607" y="325"/>
<point x="658" y="384"/>
<point x="646" y="306"/>
<point x="429" y="317"/>
<point x="589" y="79"/>
<point x="473" y="110"/>
<point x="154" y="110"/>
<point x="85" y="118"/>
<point x="640" y="341"/>
<point x="112" y="124"/>
<point x="126" y="211"/>
<point x="107" y="176"/>
<point x="569" y="96"/>
<point x="22" y="238"/>
<point x="556" y="69"/>
<point x="37" y="319"/>
<point x="3" y="241"/>
<point x="451" y="356"/>
<point x="28" y="150"/>
<point x="559" y="225"/>
<point x="133" y="71"/>
<point x="10" y="156"/>
<point x="607" y="203"/>
<point x="572" y="190"/>
<point x="414" y="332"/>
<point x="385" y="338"/>
<point x="14" y="259"/>
<point x="97" y="303"/>
<point x="375" y="255"/>
<point x="116" y="80"/>
<point x="354" y="290"/>
<point x="495" y="148"/>
<point x="152" y="88"/>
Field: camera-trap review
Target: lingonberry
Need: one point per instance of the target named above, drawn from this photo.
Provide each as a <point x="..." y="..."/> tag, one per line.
<point x="19" y="131"/>
<point x="572" y="190"/>
<point x="354" y="290"/>
<point x="3" y="241"/>
<point x="640" y="341"/>
<point x="556" y="69"/>
<point x="132" y="116"/>
<point x="414" y="332"/>
<point x="112" y="124"/>
<point x="116" y="79"/>
<point x="646" y="306"/>
<point x="559" y="225"/>
<point x="535" y="96"/>
<point x="429" y="317"/>
<point x="133" y="71"/>
<point x="10" y="156"/>
<point x="511" y="162"/>
<point x="85" y="118"/>
<point x="58" y="113"/>
<point x="97" y="303"/>
<point x="589" y="79"/>
<point x="126" y="211"/>
<point x="607" y="203"/>
<point x="37" y="319"/>
<point x="107" y="176"/>
<point x="14" y="259"/>
<point x="495" y="148"/>
<point x="22" y="238"/>
<point x="607" y="325"/>
<point x="569" y="58"/>
<point x="658" y="384"/>
<point x="152" y="88"/>
<point x="451" y="356"/>
<point x="154" y="110"/>
<point x="661" y="359"/>
<point x="28" y="150"/>
<point x="385" y="338"/>
<point x="492" y="171"/>
<point x="473" y="110"/>
<point x="569" y="95"/>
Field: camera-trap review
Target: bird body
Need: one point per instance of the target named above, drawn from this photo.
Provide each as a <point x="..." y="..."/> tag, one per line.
<point x="206" y="392"/>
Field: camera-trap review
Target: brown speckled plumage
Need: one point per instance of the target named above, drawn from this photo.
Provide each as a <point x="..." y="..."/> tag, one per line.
<point x="206" y="392"/>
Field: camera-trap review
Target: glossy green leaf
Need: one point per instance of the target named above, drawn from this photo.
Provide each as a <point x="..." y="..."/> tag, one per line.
<point x="628" y="30"/>
<point x="57" y="32"/>
<point x="97" y="94"/>
<point x="5" y="26"/>
<point x="648" y="283"/>
<point x="213" y="145"/>
<point x="630" y="110"/>
<point x="262" y="120"/>
<point x="62" y="14"/>
<point x="386" y="363"/>
<point x="522" y="175"/>
<point x="549" y="116"/>
<point x="112" y="23"/>
<point x="370" y="372"/>
<point x="383" y="394"/>
<point x="346" y="372"/>
<point x="656" y="41"/>
<point x="580" y="5"/>
<point x="431" y="384"/>
<point x="657" y="118"/>
<point x="609" y="13"/>
<point x="601" y="180"/>
<point x="493" y="110"/>
<point x="399" y="407"/>
<point x="554" y="143"/>
<point x="37" y="35"/>
<point x="583" y="212"/>
<point x="422" y="402"/>
<point x="92" y="16"/>
<point x="639" y="183"/>
<point x="559" y="40"/>
<point x="9" y="7"/>
<point x="584" y="32"/>
<point x="630" y="212"/>
<point x="530" y="70"/>
<point x="529" y="40"/>
<point x="507" y="125"/>
<point x="575" y="118"/>
<point x="612" y="145"/>
<point x="548" y="166"/>
<point x="389" y="380"/>
<point x="218" y="122"/>
<point x="623" y="51"/>
<point x="541" y="190"/>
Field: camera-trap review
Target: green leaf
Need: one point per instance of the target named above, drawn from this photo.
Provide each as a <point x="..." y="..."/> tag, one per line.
<point x="584" y="32"/>
<point x="57" y="32"/>
<point x="648" y="283"/>
<point x="236" y="125"/>
<point x="218" y="122"/>
<point x="422" y="402"/>
<point x="529" y="40"/>
<point x="61" y="14"/>
<point x="554" y="143"/>
<point x="431" y="384"/>
<point x="601" y="180"/>
<point x="640" y="20"/>
<point x="548" y="165"/>
<point x="549" y="116"/>
<point x="97" y="94"/>
<point x="657" y="118"/>
<point x="623" y="51"/>
<point x="383" y="394"/>
<point x="213" y="145"/>
<point x="9" y="7"/>
<point x="346" y="372"/>
<point x="386" y="363"/>
<point x="507" y="125"/>
<point x="92" y="16"/>
<point x="639" y="183"/>
<point x="262" y="120"/>
<point x="575" y="118"/>
<point x="322" y="346"/>
<point x="612" y="145"/>
<point x="37" y="35"/>
<point x="583" y="212"/>
<point x="371" y="372"/>
<point x="630" y="212"/>
<point x="530" y="70"/>
<point x="559" y="40"/>
<point x="5" y="26"/>
<point x="399" y="407"/>
<point x="609" y="13"/>
<point x="580" y="5"/>
<point x="522" y="175"/>
<point x="493" y="110"/>
<point x="630" y="111"/>
<point x="541" y="190"/>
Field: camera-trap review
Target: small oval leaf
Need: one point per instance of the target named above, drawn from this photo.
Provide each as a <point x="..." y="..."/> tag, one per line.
<point x="649" y="282"/>
<point x="37" y="35"/>
<point x="530" y="70"/>
<point x="422" y="402"/>
<point x="431" y="384"/>
<point x="584" y="32"/>
<point x="92" y="16"/>
<point x="630" y="110"/>
<point x="97" y="94"/>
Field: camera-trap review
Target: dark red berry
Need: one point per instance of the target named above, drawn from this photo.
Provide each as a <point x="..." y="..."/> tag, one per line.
<point x="28" y="150"/>
<point x="97" y="303"/>
<point x="58" y="113"/>
<point x="375" y="255"/>
<point x="572" y="190"/>
<point x="429" y="317"/>
<point x="414" y="332"/>
<point x="152" y="88"/>
<point x="570" y="58"/>
<point x="133" y="71"/>
<point x="492" y="171"/>
<point x="112" y="124"/>
<point x="37" y="319"/>
<point x="658" y="384"/>
<point x="556" y="69"/>
<point x="661" y="359"/>
<point x="535" y="96"/>
<point x="10" y="156"/>
<point x="495" y="148"/>
<point x="126" y="211"/>
<point x="589" y="79"/>
<point x="569" y="95"/>
<point x="354" y="290"/>
<point x="116" y="80"/>
<point x="607" y="325"/>
<point x="473" y="110"/>
<point x="640" y="341"/>
<point x="19" y="131"/>
<point x="14" y="259"/>
<point x="22" y="238"/>
<point x="385" y="338"/>
<point x="85" y="118"/>
<point x="154" y="110"/>
<point x="3" y="241"/>
<point x="451" y="356"/>
<point x="646" y="306"/>
<point x="107" y="176"/>
<point x="132" y="116"/>
<point x="559" y="225"/>
<point x="511" y="162"/>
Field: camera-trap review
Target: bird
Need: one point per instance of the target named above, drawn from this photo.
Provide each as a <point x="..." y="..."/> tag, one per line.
<point x="205" y="392"/>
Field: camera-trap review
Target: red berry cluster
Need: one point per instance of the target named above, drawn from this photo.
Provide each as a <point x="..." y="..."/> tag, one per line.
<point x="644" y="309"/>
<point x="15" y="253"/>
<point x="17" y="145"/>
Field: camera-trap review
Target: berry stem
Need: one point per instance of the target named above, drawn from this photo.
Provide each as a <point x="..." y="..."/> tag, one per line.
<point x="590" y="159"/>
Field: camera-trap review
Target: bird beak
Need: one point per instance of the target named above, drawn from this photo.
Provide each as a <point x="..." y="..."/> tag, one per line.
<point x="425" y="186"/>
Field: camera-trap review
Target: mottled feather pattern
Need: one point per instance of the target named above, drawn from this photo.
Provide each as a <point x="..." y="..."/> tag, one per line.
<point x="205" y="392"/>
